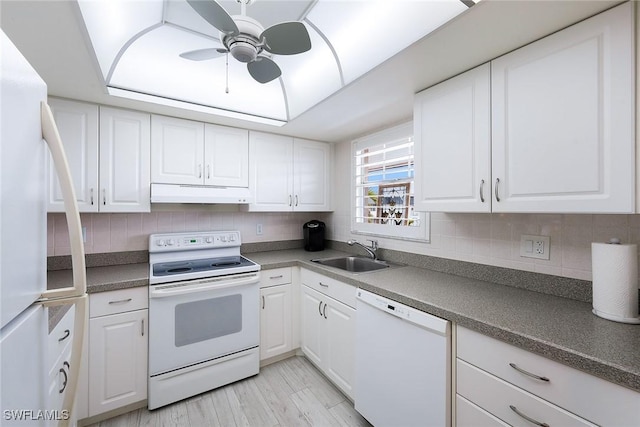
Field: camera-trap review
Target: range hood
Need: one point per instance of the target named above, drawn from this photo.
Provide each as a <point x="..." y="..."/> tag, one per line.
<point x="202" y="194"/>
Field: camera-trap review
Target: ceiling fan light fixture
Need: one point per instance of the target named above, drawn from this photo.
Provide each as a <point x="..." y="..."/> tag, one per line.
<point x="243" y="51"/>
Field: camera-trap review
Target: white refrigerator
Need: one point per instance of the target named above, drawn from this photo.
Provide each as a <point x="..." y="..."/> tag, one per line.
<point x="26" y="130"/>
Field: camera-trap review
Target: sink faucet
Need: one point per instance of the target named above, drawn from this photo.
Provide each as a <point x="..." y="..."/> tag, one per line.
<point x="371" y="250"/>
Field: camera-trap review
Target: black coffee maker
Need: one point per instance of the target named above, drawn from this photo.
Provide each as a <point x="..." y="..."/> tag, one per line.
<point x="313" y="235"/>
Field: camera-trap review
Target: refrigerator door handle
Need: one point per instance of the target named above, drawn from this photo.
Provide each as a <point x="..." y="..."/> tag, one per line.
<point x="52" y="137"/>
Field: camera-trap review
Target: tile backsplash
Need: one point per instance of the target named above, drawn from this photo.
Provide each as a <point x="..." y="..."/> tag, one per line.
<point x="130" y="232"/>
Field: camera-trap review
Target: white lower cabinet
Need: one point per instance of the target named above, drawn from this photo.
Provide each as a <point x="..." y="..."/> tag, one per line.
<point x="497" y="380"/>
<point x="328" y="328"/>
<point x="118" y="348"/>
<point x="276" y="313"/>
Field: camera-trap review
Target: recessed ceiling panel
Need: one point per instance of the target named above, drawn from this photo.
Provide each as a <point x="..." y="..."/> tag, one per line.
<point x="366" y="33"/>
<point x="152" y="65"/>
<point x="310" y="76"/>
<point x="113" y="23"/>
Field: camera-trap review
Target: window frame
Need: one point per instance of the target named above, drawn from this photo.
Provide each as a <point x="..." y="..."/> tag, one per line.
<point x="420" y="233"/>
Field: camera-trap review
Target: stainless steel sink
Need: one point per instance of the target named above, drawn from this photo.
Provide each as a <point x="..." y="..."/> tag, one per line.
<point x="354" y="264"/>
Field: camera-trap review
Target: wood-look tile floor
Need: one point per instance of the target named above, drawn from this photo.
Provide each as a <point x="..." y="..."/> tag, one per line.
<point x="290" y="393"/>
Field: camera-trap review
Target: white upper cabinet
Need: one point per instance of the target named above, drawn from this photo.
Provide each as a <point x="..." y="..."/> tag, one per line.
<point x="453" y="144"/>
<point x="563" y="120"/>
<point x="288" y="174"/>
<point x="77" y="123"/>
<point x="125" y="144"/>
<point x="177" y="151"/>
<point x="560" y="118"/>
<point x="310" y="176"/>
<point x="226" y="156"/>
<point x="109" y="163"/>
<point x="195" y="153"/>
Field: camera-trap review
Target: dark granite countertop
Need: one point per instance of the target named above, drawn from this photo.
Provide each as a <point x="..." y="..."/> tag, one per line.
<point x="559" y="328"/>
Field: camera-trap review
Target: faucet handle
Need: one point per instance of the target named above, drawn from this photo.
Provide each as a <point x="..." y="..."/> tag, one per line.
<point x="374" y="244"/>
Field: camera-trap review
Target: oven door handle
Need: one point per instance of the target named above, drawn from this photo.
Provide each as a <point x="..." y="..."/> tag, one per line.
<point x="160" y="291"/>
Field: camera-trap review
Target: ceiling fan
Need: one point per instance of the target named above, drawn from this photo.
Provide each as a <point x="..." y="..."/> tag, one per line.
<point x="248" y="41"/>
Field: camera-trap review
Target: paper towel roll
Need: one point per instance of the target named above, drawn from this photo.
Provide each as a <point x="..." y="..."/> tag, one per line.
<point x="615" y="282"/>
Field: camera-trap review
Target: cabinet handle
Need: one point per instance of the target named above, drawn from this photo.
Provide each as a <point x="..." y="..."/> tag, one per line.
<point x="200" y="170"/>
<point x="275" y="277"/>
<point x="65" y="336"/>
<point x="208" y="171"/>
<point x="64" y="372"/>
<point x="289" y="199"/>
<point x="320" y="308"/>
<point x="296" y="200"/>
<point x="531" y="420"/>
<point x="496" y="190"/>
<point x="91" y="196"/>
<point x="104" y="197"/>
<point x="529" y="374"/>
<point x="323" y="285"/>
<point x="324" y="311"/>
<point x="122" y="301"/>
<point x="142" y="327"/>
<point x="263" y="302"/>
<point x="482" y="191"/>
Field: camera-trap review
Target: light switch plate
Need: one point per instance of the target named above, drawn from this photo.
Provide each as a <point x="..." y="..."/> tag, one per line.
<point x="534" y="246"/>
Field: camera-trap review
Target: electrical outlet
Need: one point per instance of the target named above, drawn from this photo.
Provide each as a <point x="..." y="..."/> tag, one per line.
<point x="534" y="246"/>
<point x="259" y="229"/>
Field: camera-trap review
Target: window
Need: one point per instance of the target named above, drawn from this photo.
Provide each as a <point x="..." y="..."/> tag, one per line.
<point x="383" y="173"/>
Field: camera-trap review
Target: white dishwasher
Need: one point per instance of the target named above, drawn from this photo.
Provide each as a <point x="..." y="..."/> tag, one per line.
<point x="403" y="364"/>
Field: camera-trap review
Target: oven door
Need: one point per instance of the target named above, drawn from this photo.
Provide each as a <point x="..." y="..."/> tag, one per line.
<point x="199" y="320"/>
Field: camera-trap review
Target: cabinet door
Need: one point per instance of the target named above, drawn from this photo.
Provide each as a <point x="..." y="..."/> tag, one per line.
<point x="452" y="131"/>
<point x="226" y="156"/>
<point x="177" y="151"/>
<point x="311" y="168"/>
<point x="339" y="355"/>
<point x="563" y="120"/>
<point x="312" y="323"/>
<point x="117" y="360"/>
<point x="271" y="172"/>
<point x="275" y="321"/>
<point x="125" y="142"/>
<point x="78" y="126"/>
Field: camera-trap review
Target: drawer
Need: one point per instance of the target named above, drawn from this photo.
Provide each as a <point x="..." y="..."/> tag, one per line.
<point x="61" y="336"/>
<point x="470" y="415"/>
<point x="593" y="398"/>
<point x="340" y="291"/>
<point x="276" y="276"/>
<point x="120" y="301"/>
<point x="502" y="399"/>
<point x="58" y="379"/>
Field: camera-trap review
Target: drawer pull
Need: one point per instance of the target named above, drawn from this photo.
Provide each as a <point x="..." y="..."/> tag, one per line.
<point x="531" y="420"/>
<point x="122" y="301"/>
<point x="275" y="277"/>
<point x="323" y="285"/>
<point x="529" y="374"/>
<point x="65" y="336"/>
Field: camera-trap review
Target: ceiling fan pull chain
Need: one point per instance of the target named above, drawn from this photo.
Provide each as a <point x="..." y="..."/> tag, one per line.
<point x="227" y="76"/>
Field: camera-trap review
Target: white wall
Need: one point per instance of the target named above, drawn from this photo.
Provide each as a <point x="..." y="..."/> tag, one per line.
<point x="494" y="239"/>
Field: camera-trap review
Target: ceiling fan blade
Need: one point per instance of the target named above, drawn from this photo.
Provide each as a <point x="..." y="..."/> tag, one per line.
<point x="263" y="70"/>
<point x="203" y="54"/>
<point x="286" y="38"/>
<point x="215" y="15"/>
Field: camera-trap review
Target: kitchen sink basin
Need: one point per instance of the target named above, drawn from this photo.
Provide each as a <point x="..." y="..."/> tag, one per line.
<point x="354" y="264"/>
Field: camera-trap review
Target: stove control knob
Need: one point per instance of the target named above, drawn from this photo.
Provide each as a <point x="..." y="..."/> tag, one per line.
<point x="209" y="239"/>
<point x="160" y="242"/>
<point x="223" y="238"/>
<point x="232" y="237"/>
<point x="170" y="242"/>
